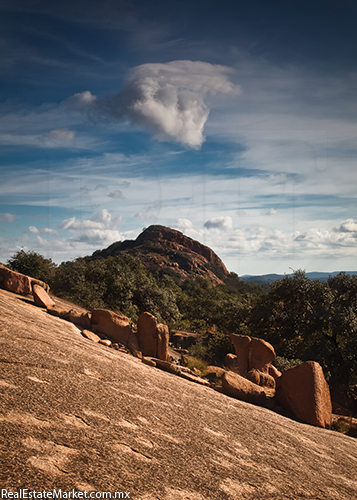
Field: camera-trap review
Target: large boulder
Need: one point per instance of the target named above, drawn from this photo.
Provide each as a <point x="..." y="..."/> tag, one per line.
<point x="260" y="378"/>
<point x="41" y="297"/>
<point x="252" y="359"/>
<point x="303" y="391"/>
<point x="147" y="335"/>
<point x="17" y="282"/>
<point x="162" y="332"/>
<point x="240" y="388"/>
<point x="261" y="354"/>
<point x="242" y="347"/>
<point x="231" y="362"/>
<point x="78" y="318"/>
<point x="153" y="337"/>
<point x="115" y="326"/>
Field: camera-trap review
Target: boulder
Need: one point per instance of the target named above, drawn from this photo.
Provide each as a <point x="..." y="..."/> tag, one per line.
<point x="153" y="337"/>
<point x="148" y="361"/>
<point x="147" y="334"/>
<point x="184" y="339"/>
<point x="115" y="326"/>
<point x="17" y="282"/>
<point x="231" y="362"/>
<point x="105" y="342"/>
<point x="194" y="378"/>
<point x="57" y="311"/>
<point x="162" y="332"/>
<point x="215" y="370"/>
<point x="303" y="391"/>
<point x="90" y="335"/>
<point x="260" y="378"/>
<point x="261" y="354"/>
<point x="167" y="366"/>
<point x="242" y="347"/>
<point x="41" y="297"/>
<point x="78" y="318"/>
<point x="274" y="372"/>
<point x="239" y="387"/>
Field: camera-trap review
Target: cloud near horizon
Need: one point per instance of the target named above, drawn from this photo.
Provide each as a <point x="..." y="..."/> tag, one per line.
<point x="99" y="229"/>
<point x="167" y="99"/>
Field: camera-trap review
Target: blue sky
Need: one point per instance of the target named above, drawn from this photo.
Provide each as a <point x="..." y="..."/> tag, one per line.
<point x="234" y="122"/>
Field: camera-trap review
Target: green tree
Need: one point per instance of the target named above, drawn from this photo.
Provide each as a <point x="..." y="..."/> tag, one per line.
<point x="308" y="319"/>
<point x="33" y="264"/>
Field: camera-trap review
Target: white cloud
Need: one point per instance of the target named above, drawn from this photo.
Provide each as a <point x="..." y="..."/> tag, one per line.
<point x="10" y="218"/>
<point x="99" y="229"/>
<point x="183" y="224"/>
<point x="82" y="101"/>
<point x="168" y="99"/>
<point x="348" y="226"/>
<point x="219" y="223"/>
<point x="45" y="230"/>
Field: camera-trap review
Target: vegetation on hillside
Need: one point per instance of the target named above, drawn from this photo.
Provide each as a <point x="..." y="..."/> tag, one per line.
<point x="302" y="318"/>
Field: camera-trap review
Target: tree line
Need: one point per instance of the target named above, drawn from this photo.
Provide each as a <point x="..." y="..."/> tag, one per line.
<point x="302" y="318"/>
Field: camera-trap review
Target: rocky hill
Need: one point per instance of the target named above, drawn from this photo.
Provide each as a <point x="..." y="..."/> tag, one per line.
<point x="165" y="250"/>
<point x="76" y="415"/>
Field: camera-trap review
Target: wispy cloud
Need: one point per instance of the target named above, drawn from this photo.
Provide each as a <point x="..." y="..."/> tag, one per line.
<point x="10" y="218"/>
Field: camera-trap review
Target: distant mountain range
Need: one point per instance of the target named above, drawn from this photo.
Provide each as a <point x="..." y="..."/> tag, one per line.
<point x="270" y="278"/>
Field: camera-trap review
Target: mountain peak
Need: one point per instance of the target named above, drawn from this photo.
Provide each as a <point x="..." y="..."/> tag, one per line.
<point x="163" y="249"/>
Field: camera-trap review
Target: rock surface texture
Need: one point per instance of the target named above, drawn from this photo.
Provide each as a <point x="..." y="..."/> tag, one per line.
<point x="304" y="391"/>
<point x="77" y="415"/>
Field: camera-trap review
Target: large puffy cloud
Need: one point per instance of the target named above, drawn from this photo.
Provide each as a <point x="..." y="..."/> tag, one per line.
<point x="168" y="99"/>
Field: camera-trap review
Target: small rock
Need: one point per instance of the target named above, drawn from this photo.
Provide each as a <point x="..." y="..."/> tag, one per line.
<point x="216" y="370"/>
<point x="91" y="336"/>
<point x="194" y="378"/>
<point x="106" y="342"/>
<point x="57" y="311"/>
<point x="148" y="361"/>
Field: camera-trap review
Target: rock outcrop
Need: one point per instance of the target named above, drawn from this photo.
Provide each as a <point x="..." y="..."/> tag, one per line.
<point x="304" y="391"/>
<point x="17" y="282"/>
<point x="153" y="338"/>
<point x="163" y="248"/>
<point x="252" y="359"/>
<point x="77" y="415"/>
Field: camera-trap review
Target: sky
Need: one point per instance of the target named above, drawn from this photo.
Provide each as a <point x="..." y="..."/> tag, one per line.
<point x="234" y="122"/>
